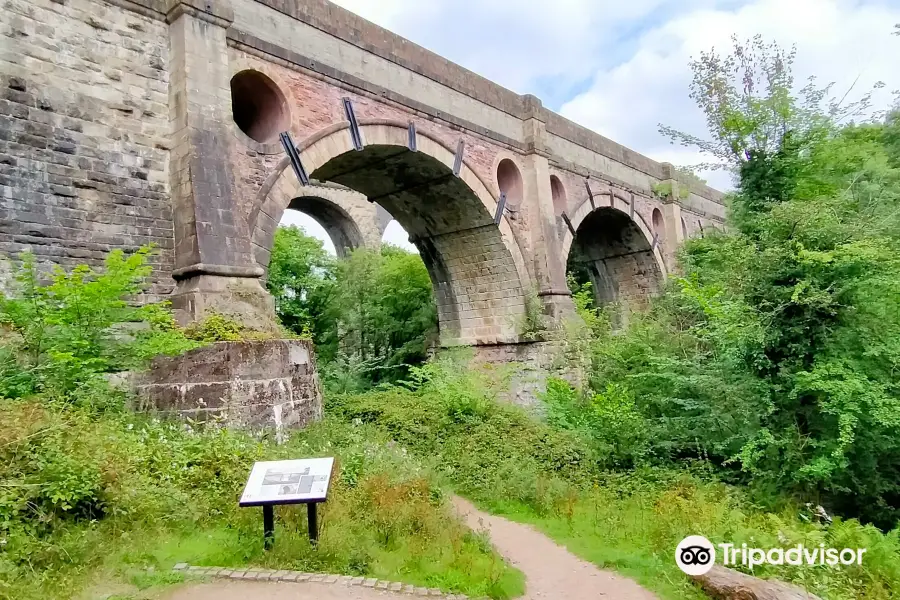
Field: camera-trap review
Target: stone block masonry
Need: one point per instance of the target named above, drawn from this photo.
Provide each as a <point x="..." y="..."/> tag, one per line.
<point x="84" y="133"/>
<point x="133" y="122"/>
<point x="265" y="384"/>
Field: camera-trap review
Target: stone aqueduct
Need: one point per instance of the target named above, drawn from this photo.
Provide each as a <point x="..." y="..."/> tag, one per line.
<point x="127" y="122"/>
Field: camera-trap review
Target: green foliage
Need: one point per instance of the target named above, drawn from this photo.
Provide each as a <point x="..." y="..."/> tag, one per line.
<point x="370" y="314"/>
<point x="608" y="420"/>
<point x="533" y="325"/>
<point x="86" y="494"/>
<point x="748" y="100"/>
<point x="776" y="352"/>
<point x="488" y="449"/>
<point x="552" y="473"/>
<point x="300" y="278"/>
<point x="663" y="189"/>
<point x="66" y="328"/>
<point x="382" y="309"/>
<point x="216" y="327"/>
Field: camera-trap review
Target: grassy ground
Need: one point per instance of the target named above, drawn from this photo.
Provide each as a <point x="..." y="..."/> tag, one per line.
<point x="101" y="500"/>
<point x="94" y="501"/>
<point x="512" y="464"/>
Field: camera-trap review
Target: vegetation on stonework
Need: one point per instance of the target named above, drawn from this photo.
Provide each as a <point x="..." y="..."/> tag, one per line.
<point x="371" y="314"/>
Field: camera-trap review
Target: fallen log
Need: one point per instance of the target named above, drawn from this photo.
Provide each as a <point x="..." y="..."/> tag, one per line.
<point x="722" y="583"/>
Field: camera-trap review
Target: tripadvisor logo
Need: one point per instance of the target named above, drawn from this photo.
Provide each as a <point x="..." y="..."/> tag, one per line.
<point x="696" y="555"/>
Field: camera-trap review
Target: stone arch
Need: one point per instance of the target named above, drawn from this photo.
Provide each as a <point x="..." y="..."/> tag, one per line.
<point x="615" y="247"/>
<point x="477" y="268"/>
<point x="348" y="217"/>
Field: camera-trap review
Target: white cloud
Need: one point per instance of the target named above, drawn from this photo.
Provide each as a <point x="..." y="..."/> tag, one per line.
<point x="837" y="40"/>
<point x="529" y="46"/>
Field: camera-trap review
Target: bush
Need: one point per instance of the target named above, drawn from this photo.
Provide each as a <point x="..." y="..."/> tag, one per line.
<point x="85" y="493"/>
<point x="608" y="420"/>
<point x="554" y="474"/>
<point x="492" y="451"/>
<point x="65" y="330"/>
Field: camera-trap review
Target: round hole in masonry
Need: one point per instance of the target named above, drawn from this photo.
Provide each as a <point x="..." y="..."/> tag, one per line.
<point x="510" y="181"/>
<point x="558" y="193"/>
<point x="258" y="107"/>
<point x="659" y="226"/>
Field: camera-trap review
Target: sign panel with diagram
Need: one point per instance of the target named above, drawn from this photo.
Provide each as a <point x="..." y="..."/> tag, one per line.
<point x="288" y="482"/>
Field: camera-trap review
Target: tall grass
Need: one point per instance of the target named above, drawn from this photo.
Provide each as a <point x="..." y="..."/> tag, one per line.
<point x="89" y="497"/>
<point x="515" y="464"/>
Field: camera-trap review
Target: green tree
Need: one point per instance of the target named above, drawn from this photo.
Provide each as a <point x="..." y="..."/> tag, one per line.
<point x="382" y="313"/>
<point x="301" y="276"/>
<point x="370" y="314"/>
<point x="65" y="328"/>
<point x="795" y="308"/>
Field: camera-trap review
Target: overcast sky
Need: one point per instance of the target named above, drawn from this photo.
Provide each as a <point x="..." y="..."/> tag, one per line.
<point x="620" y="67"/>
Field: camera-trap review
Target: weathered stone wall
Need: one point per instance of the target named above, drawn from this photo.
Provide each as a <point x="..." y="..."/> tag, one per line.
<point x="246" y="384"/>
<point x="84" y="132"/>
<point x="523" y="369"/>
<point x="116" y="130"/>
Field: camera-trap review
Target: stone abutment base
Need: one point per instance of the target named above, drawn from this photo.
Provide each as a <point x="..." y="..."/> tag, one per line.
<point x="259" y="384"/>
<point x="525" y="366"/>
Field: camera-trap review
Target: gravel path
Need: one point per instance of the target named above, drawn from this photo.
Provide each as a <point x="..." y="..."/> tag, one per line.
<point x="551" y="572"/>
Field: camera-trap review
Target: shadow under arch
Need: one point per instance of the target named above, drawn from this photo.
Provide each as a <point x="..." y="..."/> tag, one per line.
<point x="476" y="267"/>
<point x="337" y="222"/>
<point x="613" y="249"/>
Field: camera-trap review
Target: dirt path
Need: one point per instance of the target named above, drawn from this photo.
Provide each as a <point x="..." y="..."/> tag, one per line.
<point x="550" y="570"/>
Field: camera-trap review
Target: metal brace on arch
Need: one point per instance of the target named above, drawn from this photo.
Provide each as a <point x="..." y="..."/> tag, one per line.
<point x="355" y="135"/>
<point x="294" y="157"/>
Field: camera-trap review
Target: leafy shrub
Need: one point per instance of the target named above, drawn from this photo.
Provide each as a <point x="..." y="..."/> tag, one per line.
<point x="370" y="314"/>
<point x="82" y="489"/>
<point x="68" y="328"/>
<point x="216" y="327"/>
<point x="492" y="451"/>
<point x="609" y="420"/>
<point x="629" y="519"/>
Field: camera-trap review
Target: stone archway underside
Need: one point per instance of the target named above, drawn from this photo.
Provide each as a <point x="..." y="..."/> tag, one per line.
<point x="614" y="253"/>
<point x="474" y="278"/>
<point x="350" y="220"/>
<point x="345" y="234"/>
<point x="476" y="267"/>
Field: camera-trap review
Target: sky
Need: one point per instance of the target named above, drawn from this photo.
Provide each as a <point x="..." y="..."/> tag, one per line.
<point x="620" y="67"/>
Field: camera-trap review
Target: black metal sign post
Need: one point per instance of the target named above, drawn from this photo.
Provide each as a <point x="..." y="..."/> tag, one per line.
<point x="311" y="521"/>
<point x="302" y="481"/>
<point x="268" y="526"/>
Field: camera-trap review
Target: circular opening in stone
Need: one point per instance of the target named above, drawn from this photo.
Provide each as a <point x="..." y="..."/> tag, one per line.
<point x="258" y="107"/>
<point x="658" y="225"/>
<point x="559" y="194"/>
<point x="510" y="181"/>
